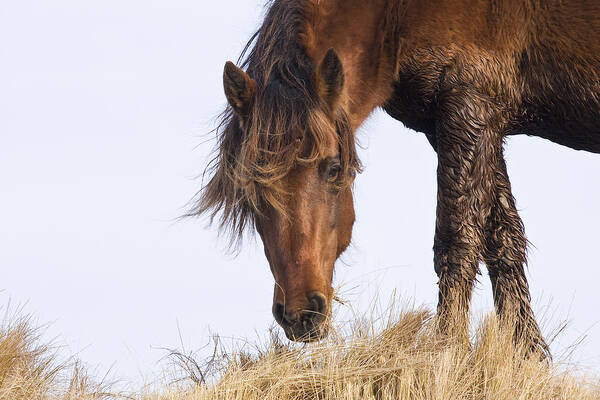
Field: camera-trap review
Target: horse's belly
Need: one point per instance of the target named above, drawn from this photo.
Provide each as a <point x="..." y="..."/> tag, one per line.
<point x="573" y="124"/>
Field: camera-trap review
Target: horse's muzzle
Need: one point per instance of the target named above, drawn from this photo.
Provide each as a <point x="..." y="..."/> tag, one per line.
<point x="305" y="325"/>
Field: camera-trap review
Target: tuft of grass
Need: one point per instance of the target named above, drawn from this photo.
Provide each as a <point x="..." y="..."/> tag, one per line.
<point x="405" y="359"/>
<point x="30" y="369"/>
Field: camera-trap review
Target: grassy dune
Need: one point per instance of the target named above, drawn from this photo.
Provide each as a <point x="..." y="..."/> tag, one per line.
<point x="403" y="360"/>
<point x="400" y="359"/>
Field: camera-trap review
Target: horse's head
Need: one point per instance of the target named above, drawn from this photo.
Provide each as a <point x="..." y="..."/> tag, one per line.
<point x="286" y="166"/>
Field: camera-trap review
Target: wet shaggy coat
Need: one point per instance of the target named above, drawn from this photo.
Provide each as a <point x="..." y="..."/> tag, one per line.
<point x="466" y="73"/>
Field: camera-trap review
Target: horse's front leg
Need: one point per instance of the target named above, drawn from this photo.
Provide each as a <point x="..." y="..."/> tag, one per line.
<point x="469" y="141"/>
<point x="505" y="257"/>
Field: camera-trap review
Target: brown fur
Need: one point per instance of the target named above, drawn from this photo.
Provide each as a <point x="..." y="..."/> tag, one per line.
<point x="466" y="73"/>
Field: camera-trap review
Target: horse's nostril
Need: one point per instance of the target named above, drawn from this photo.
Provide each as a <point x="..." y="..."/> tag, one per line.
<point x="318" y="307"/>
<point x="318" y="302"/>
<point x="278" y="310"/>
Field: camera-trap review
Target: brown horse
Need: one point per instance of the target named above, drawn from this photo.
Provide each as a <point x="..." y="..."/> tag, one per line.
<point x="466" y="73"/>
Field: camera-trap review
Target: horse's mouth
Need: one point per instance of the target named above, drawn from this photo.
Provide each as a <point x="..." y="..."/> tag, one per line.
<point x="299" y="332"/>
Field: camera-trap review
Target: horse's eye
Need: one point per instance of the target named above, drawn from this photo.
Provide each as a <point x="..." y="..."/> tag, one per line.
<point x="334" y="172"/>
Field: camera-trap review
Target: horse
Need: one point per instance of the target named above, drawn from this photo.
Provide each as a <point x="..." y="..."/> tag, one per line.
<point x="466" y="73"/>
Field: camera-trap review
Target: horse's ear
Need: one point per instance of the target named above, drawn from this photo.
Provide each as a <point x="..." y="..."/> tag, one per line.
<point x="239" y="88"/>
<point x="330" y="78"/>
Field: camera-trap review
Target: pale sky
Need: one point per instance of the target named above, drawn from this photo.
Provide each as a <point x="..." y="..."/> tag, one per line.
<point x="103" y="110"/>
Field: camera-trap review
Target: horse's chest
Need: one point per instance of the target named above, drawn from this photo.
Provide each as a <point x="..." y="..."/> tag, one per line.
<point x="411" y="107"/>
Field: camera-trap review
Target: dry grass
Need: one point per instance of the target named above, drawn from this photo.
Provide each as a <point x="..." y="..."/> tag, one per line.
<point x="30" y="370"/>
<point x="397" y="357"/>
<point x="404" y="359"/>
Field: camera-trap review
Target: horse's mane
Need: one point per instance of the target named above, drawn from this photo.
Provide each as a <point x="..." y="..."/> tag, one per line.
<point x="286" y="115"/>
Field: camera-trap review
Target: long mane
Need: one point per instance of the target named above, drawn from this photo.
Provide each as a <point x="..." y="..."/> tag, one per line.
<point x="286" y="124"/>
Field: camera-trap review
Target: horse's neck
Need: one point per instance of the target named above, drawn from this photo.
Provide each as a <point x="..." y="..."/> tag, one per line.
<point x="356" y="32"/>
